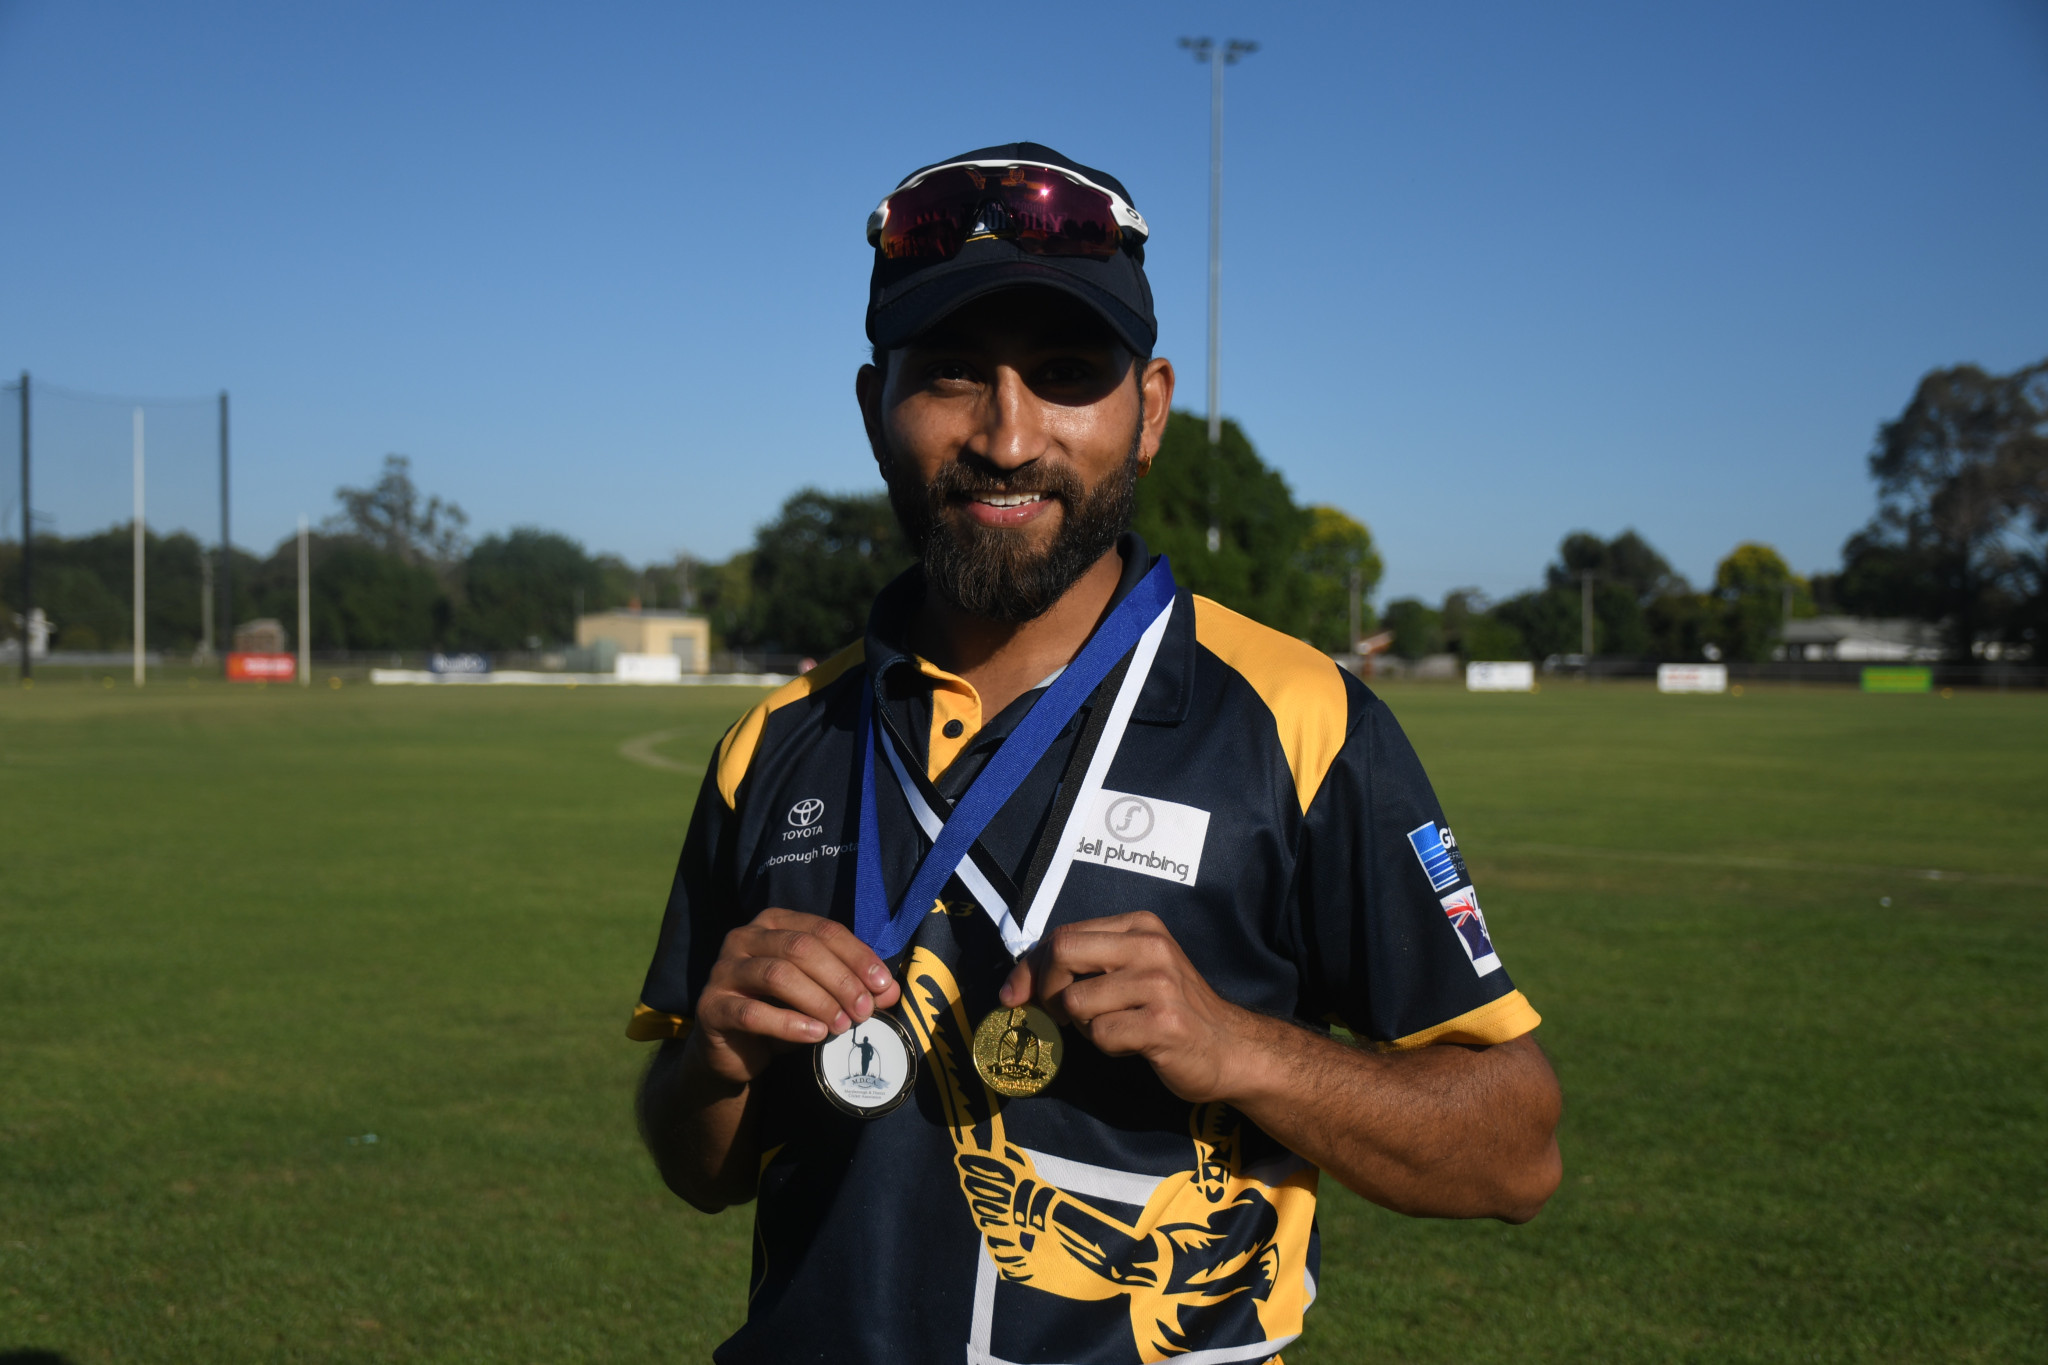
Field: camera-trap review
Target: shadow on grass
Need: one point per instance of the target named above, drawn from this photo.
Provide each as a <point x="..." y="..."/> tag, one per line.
<point x="34" y="1357"/>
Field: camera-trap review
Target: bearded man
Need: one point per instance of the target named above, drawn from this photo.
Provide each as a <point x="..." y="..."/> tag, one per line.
<point x="1102" y="861"/>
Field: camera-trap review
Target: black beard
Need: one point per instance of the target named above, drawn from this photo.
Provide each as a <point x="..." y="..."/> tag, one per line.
<point x="987" y="571"/>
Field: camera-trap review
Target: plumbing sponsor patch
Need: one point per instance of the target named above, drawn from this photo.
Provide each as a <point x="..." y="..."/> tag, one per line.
<point x="1145" y="834"/>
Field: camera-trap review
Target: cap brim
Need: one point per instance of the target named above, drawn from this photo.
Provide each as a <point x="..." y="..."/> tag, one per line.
<point x="918" y="310"/>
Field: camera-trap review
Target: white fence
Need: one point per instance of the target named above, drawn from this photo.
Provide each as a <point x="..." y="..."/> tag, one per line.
<point x="1692" y="677"/>
<point x="1500" y="677"/>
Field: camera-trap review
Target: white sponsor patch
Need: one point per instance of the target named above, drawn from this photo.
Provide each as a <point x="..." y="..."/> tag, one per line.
<point x="1144" y="834"/>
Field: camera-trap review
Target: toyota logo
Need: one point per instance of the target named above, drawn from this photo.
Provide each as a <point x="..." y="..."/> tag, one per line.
<point x="806" y="812"/>
<point x="1129" y="818"/>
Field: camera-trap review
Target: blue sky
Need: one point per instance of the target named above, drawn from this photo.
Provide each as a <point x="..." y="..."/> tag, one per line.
<point x="1493" y="272"/>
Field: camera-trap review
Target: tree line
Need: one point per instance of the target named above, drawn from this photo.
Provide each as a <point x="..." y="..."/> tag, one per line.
<point x="389" y="570"/>
<point x="1642" y="608"/>
<point x="394" y="569"/>
<point x="1959" y="540"/>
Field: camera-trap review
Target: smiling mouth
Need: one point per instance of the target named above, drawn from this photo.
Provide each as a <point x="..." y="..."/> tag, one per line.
<point x="1008" y="499"/>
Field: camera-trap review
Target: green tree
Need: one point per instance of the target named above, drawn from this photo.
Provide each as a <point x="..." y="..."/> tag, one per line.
<point x="1546" y="619"/>
<point x="361" y="596"/>
<point x="86" y="586"/>
<point x="1632" y="585"/>
<point x="817" y="567"/>
<point x="1750" y="587"/>
<point x="521" y="590"/>
<point x="1628" y="574"/>
<point x="390" y="515"/>
<point x="1472" y="632"/>
<point x="1256" y="567"/>
<point x="725" y="594"/>
<point x="1418" y="627"/>
<point x="1334" y="548"/>
<point x="619" y="585"/>
<point x="1962" y="482"/>
<point x="1682" y="625"/>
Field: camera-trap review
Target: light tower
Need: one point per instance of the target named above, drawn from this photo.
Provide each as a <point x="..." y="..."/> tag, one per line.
<point x="1216" y="56"/>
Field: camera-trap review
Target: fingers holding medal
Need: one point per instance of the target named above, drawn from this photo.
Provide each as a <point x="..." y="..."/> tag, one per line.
<point x="786" y="979"/>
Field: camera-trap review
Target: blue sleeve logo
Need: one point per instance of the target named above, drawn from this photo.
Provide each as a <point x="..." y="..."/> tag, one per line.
<point x="1439" y="855"/>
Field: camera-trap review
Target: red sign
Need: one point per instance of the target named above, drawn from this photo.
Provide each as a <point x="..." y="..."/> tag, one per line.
<point x="262" y="667"/>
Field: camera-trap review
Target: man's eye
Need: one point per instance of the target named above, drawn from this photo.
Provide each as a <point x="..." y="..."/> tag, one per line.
<point x="950" y="372"/>
<point x="1068" y="372"/>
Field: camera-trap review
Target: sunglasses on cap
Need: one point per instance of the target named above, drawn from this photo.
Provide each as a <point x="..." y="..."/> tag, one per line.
<point x="1045" y="210"/>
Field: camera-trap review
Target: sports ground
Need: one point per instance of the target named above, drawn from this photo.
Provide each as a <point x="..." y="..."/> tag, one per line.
<point x="242" y="930"/>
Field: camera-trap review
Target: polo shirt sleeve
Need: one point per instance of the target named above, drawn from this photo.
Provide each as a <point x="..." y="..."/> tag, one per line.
<point x="701" y="911"/>
<point x="1395" y="946"/>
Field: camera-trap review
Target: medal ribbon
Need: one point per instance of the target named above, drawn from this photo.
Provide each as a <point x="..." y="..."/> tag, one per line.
<point x="1139" y="621"/>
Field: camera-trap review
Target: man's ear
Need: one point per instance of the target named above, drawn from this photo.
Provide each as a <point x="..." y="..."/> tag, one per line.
<point x="867" y="391"/>
<point x="1155" y="382"/>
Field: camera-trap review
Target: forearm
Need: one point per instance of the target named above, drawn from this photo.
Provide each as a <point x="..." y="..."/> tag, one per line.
<point x="698" y="1127"/>
<point x="1442" y="1131"/>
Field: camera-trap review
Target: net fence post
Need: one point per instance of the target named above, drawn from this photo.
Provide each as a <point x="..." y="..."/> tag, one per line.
<point x="28" y="548"/>
<point x="227" y="546"/>
<point x="139" y="586"/>
<point x="305" y="612"/>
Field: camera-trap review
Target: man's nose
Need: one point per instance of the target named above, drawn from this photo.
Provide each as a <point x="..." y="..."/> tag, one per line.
<point x="1014" y="435"/>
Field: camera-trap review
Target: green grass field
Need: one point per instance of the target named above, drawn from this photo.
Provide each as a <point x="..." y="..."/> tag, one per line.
<point x="241" y="930"/>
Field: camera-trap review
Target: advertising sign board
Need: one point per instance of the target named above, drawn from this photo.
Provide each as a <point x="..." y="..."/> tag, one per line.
<point x="1500" y="677"/>
<point x="649" y="668"/>
<point x="1897" y="679"/>
<point x="458" y="663"/>
<point x="1692" y="677"/>
<point x="247" y="667"/>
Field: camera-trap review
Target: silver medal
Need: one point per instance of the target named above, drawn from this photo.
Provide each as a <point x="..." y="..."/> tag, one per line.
<point x="869" y="1069"/>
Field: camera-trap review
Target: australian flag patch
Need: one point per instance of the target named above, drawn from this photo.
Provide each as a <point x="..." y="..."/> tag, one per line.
<point x="1462" y="908"/>
<point x="1437" y="847"/>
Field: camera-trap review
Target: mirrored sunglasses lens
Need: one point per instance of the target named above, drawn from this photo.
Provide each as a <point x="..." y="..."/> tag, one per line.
<point x="1053" y="216"/>
<point x="929" y="221"/>
<point x="1040" y="210"/>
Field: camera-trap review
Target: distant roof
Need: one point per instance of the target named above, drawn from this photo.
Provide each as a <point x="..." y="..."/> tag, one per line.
<point x="658" y="613"/>
<point x="1833" y="630"/>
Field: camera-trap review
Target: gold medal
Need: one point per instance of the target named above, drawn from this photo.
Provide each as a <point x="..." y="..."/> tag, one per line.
<point x="1017" y="1051"/>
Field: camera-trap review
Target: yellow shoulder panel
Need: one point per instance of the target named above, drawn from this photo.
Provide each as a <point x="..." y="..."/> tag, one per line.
<point x="1299" y="684"/>
<point x="1497" y="1021"/>
<point x="652" y="1026"/>
<point x="736" y="750"/>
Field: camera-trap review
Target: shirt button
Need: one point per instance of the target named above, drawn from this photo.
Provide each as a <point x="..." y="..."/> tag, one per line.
<point x="954" y="729"/>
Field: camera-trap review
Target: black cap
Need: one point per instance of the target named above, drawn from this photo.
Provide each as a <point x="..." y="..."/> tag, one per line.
<point x="906" y="297"/>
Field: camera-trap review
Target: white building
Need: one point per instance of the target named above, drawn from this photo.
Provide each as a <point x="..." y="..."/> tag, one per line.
<point x="1861" y="639"/>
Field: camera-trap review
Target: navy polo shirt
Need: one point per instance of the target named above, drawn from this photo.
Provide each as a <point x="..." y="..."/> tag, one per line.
<point x="1264" y="804"/>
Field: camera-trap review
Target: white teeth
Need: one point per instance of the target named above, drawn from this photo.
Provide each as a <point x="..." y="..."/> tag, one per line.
<point x="1009" y="499"/>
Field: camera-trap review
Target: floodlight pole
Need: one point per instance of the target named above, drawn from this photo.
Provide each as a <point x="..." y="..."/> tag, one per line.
<point x="28" y="547"/>
<point x="137" y="631"/>
<point x="205" y="606"/>
<point x="305" y="611"/>
<point x="1217" y="55"/>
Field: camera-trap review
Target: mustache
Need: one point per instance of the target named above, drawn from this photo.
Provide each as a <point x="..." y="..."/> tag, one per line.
<point x="959" y="481"/>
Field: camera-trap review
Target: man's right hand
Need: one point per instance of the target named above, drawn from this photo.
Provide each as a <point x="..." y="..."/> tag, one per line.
<point x="785" y="980"/>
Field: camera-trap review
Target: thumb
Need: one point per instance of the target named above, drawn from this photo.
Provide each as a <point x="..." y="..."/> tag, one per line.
<point x="1017" y="985"/>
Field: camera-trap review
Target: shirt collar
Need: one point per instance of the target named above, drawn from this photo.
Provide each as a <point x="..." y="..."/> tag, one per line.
<point x="1163" y="702"/>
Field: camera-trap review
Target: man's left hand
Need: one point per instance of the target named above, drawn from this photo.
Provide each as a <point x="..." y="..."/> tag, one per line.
<point x="1126" y="985"/>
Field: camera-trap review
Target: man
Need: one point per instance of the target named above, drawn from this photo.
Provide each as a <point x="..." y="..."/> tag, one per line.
<point x="1155" y="848"/>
